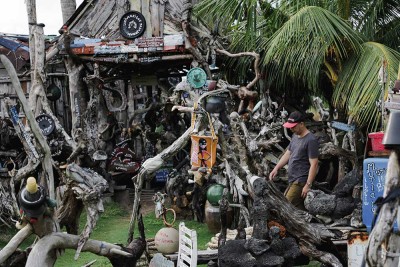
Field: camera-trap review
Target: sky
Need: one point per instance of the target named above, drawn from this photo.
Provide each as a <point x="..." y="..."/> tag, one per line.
<point x="14" y="19"/>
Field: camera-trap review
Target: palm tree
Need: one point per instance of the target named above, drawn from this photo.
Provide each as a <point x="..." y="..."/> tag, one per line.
<point x="326" y="47"/>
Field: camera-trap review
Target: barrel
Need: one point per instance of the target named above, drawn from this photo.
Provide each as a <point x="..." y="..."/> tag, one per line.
<point x="213" y="220"/>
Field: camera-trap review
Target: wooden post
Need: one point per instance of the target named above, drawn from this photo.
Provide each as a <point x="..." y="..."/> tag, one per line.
<point x="31" y="11"/>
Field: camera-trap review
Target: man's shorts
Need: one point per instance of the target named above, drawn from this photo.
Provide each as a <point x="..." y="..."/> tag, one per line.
<point x="293" y="194"/>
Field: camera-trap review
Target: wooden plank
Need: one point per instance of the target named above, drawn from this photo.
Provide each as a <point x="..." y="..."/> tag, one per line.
<point x="101" y="13"/>
<point x="202" y="255"/>
<point x="186" y="249"/>
<point x="155" y="20"/>
<point x="146" y="14"/>
<point x="111" y="27"/>
<point x="185" y="257"/>
<point x="136" y="5"/>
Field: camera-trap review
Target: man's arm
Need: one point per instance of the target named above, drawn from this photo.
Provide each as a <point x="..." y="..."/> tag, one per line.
<point x="311" y="176"/>
<point x="282" y="162"/>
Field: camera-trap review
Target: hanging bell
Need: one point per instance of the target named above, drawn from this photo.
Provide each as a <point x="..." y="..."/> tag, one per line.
<point x="392" y="137"/>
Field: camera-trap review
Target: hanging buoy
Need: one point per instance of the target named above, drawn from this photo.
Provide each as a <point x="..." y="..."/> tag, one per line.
<point x="167" y="240"/>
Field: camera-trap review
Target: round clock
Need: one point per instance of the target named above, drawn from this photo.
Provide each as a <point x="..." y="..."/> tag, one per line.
<point x="197" y="77"/>
<point x="46" y="124"/>
<point x="132" y="25"/>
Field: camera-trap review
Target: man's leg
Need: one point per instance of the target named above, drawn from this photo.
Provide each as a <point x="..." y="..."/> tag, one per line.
<point x="293" y="194"/>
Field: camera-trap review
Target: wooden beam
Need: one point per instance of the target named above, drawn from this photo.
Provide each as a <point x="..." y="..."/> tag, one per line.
<point x="155" y="20"/>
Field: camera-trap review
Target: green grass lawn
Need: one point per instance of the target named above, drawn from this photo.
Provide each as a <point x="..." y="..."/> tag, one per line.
<point x="113" y="227"/>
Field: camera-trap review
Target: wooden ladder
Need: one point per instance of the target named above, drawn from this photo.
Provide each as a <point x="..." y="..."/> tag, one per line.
<point x="187" y="254"/>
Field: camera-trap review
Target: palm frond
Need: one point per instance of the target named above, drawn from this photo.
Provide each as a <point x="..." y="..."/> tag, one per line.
<point x="358" y="87"/>
<point x="229" y="11"/>
<point x="299" y="48"/>
<point x="390" y="35"/>
<point x="373" y="16"/>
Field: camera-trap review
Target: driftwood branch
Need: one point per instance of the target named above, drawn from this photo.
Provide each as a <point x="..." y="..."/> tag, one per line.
<point x="26" y="170"/>
<point x="43" y="253"/>
<point x="149" y="167"/>
<point x="242" y="54"/>
<point x="46" y="162"/>
<point x="14" y="243"/>
<point x="89" y="187"/>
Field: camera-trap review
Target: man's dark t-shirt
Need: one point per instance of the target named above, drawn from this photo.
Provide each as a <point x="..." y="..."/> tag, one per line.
<point x="301" y="150"/>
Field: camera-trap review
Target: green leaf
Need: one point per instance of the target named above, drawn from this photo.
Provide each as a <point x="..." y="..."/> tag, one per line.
<point x="299" y="48"/>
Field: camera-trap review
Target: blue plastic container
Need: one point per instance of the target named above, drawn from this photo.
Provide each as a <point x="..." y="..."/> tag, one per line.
<point x="374" y="174"/>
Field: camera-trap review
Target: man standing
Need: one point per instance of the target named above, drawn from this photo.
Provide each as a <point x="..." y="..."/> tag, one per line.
<point x="302" y="158"/>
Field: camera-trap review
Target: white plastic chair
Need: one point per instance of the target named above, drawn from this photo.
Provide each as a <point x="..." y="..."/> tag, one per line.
<point x="187" y="254"/>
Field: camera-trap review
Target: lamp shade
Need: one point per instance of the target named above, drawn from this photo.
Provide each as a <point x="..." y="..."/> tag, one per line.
<point x="392" y="133"/>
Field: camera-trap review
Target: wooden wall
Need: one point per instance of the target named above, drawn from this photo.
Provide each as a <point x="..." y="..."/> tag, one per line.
<point x="100" y="18"/>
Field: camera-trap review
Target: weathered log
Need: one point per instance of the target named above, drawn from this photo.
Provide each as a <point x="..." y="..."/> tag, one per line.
<point x="296" y="222"/>
<point x="329" y="149"/>
<point x="43" y="253"/>
<point x="14" y="243"/>
<point x="89" y="187"/>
